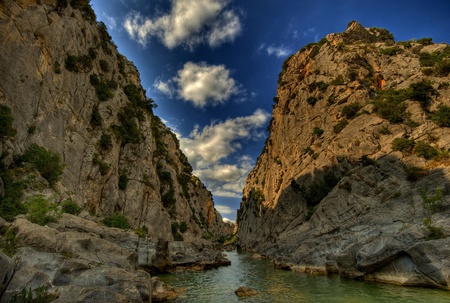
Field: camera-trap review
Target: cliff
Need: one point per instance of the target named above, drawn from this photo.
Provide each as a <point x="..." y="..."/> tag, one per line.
<point x="354" y="176"/>
<point x="78" y="135"/>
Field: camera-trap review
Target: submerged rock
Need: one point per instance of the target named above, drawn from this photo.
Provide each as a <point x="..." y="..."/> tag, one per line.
<point x="244" y="291"/>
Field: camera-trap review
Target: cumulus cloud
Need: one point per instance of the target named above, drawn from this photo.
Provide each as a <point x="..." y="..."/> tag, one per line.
<point x="226" y="220"/>
<point x="201" y="84"/>
<point x="223" y="209"/>
<point x="188" y="23"/>
<point x="279" y="51"/>
<point x="207" y="148"/>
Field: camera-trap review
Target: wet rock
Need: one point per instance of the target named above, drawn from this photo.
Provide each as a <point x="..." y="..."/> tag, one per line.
<point x="162" y="292"/>
<point x="244" y="291"/>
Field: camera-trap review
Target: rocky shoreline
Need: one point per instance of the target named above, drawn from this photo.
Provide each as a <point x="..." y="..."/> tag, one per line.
<point x="79" y="260"/>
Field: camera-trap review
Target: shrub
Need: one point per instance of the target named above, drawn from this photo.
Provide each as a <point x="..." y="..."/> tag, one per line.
<point x="257" y="196"/>
<point x="414" y="173"/>
<point x="105" y="142"/>
<point x="121" y="64"/>
<point x="10" y="203"/>
<point x="311" y="100"/>
<point x="104" y="66"/>
<point x="40" y="210"/>
<point x="391" y="51"/>
<point x="8" y="243"/>
<point x="70" y="207"/>
<point x="404" y="145"/>
<point x="168" y="199"/>
<point x="134" y="95"/>
<point x="322" y="86"/>
<point x="123" y="182"/>
<point x="318" y="131"/>
<point x="27" y="296"/>
<point x="96" y="118"/>
<point x="141" y="231"/>
<point x="422" y="91"/>
<point x="425" y="150"/>
<point x="340" y="126"/>
<point x="350" y="111"/>
<point x="46" y="162"/>
<point x="129" y="131"/>
<point x="176" y="235"/>
<point x="384" y="130"/>
<point x="425" y="41"/>
<point x="389" y="104"/>
<point x="78" y="63"/>
<point x="6" y="119"/>
<point x="442" y="116"/>
<point x="183" y="227"/>
<point x="442" y="68"/>
<point x="117" y="220"/>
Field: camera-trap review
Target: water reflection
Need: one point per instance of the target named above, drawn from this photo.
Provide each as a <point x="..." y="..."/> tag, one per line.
<point x="218" y="285"/>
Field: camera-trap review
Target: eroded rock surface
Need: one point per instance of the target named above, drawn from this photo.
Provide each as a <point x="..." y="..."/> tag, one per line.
<point x="330" y="192"/>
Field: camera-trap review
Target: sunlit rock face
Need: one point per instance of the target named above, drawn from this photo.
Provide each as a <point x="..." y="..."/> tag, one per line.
<point x="70" y="91"/>
<point x="335" y="188"/>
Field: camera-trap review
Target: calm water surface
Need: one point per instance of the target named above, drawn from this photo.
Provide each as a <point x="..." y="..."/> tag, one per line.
<point x="218" y="285"/>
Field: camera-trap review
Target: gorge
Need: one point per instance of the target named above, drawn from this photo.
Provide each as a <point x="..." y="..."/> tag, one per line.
<point x="96" y="194"/>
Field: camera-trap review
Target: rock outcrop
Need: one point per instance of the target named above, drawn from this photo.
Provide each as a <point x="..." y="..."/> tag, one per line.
<point x="78" y="134"/>
<point x="354" y="177"/>
<point x="70" y="91"/>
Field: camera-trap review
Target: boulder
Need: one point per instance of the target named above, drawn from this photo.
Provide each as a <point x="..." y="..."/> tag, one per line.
<point x="244" y="291"/>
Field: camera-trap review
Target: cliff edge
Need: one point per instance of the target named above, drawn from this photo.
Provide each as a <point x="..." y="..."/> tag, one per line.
<point x="354" y="176"/>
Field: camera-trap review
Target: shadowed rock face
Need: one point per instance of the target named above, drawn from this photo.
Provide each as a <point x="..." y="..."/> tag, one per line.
<point x="331" y="192"/>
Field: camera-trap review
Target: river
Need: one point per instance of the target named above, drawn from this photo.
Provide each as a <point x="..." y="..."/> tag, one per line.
<point x="218" y="285"/>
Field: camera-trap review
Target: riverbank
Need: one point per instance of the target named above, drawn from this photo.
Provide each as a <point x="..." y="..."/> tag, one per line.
<point x="273" y="285"/>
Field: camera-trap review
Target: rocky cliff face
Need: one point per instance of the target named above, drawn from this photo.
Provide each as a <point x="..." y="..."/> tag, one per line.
<point x="354" y="176"/>
<point x="71" y="92"/>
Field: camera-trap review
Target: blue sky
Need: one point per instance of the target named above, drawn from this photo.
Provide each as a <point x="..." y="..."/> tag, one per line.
<point x="212" y="65"/>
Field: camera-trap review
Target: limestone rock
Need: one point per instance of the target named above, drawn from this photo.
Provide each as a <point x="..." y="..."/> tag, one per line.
<point x="329" y="193"/>
<point x="244" y="291"/>
<point x="51" y="64"/>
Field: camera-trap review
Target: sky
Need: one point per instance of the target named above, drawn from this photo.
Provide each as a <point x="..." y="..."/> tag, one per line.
<point x="212" y="66"/>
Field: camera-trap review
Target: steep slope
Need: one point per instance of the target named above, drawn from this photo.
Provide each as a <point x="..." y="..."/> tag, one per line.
<point x="354" y="176"/>
<point x="68" y="90"/>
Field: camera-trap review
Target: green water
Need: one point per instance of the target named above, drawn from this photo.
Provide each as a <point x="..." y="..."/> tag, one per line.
<point x="218" y="285"/>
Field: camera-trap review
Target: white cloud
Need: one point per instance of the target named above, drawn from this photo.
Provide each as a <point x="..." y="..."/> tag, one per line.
<point x="188" y="23"/>
<point x="110" y="22"/>
<point x="226" y="220"/>
<point x="201" y="84"/>
<point x="206" y="148"/>
<point x="279" y="51"/>
<point x="223" y="209"/>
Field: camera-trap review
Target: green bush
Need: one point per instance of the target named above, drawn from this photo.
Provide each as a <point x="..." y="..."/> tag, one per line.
<point x="414" y="173"/>
<point x="404" y="145"/>
<point x="46" y="162"/>
<point x="318" y="131"/>
<point x="339" y="80"/>
<point x="322" y="86"/>
<point x="6" y="119"/>
<point x="422" y="92"/>
<point x="104" y="65"/>
<point x="340" y="126"/>
<point x="425" y="150"/>
<point x="40" y="210"/>
<point x="10" y="203"/>
<point x="85" y="8"/>
<point x="168" y="199"/>
<point x="40" y="296"/>
<point x="8" y="243"/>
<point x="350" y="111"/>
<point x="425" y="41"/>
<point x="176" y="235"/>
<point x="391" y="51"/>
<point x="117" y="220"/>
<point x="141" y="231"/>
<point x="183" y="227"/>
<point x="121" y="64"/>
<point x="389" y="104"/>
<point x="256" y="195"/>
<point x="129" y="131"/>
<point x="103" y="89"/>
<point x="442" y="68"/>
<point x="70" y="207"/>
<point x="78" y="63"/>
<point x="134" y="95"/>
<point x="123" y="181"/>
<point x="442" y="116"/>
<point x="105" y="142"/>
